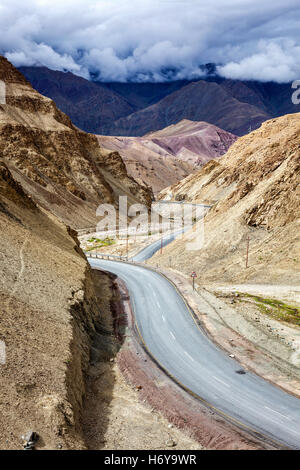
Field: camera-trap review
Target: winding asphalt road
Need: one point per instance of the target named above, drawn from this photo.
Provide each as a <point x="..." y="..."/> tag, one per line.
<point x="171" y="335"/>
<point x="149" y="250"/>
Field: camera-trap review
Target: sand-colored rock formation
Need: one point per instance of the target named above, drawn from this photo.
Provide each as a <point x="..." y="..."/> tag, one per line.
<point x="165" y="157"/>
<point x="255" y="191"/>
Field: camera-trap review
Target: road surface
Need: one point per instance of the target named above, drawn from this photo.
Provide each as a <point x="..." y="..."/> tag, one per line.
<point x="171" y="335"/>
<point x="149" y="250"/>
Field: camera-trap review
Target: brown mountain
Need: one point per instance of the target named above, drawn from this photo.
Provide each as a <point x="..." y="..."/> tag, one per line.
<point x="255" y="191"/>
<point x="198" y="101"/>
<point x="165" y="157"/>
<point x="195" y="142"/>
<point x="90" y="106"/>
<point x="61" y="167"/>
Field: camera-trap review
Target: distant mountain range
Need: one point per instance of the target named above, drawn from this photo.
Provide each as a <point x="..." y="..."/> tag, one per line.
<point x="134" y="109"/>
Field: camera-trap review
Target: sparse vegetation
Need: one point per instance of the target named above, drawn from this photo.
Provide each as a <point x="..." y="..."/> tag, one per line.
<point x="98" y="243"/>
<point x="275" y="308"/>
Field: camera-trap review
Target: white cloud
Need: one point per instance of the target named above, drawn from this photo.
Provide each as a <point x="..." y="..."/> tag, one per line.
<point x="272" y="61"/>
<point x="33" y="54"/>
<point x="146" y="39"/>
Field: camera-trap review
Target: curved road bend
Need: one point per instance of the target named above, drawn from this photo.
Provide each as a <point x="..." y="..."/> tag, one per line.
<point x="181" y="347"/>
<point x="149" y="250"/>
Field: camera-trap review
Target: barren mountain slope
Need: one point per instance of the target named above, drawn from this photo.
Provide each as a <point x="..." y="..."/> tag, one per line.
<point x="162" y="158"/>
<point x="63" y="168"/>
<point x="153" y="167"/>
<point x="48" y="316"/>
<point x="255" y="192"/>
<point x="195" y="142"/>
<point x="53" y="306"/>
<point x="198" y="101"/>
<point x="91" y="106"/>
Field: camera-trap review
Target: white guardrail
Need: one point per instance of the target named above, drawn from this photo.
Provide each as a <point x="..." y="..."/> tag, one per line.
<point x="105" y="256"/>
<point x="91" y="254"/>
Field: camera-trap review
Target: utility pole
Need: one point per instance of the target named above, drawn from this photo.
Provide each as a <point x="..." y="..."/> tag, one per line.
<point x="161" y="245"/>
<point x="247" y="252"/>
<point x="193" y="276"/>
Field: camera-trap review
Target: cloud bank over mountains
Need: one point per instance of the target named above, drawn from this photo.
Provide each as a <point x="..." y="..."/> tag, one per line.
<point x="154" y="40"/>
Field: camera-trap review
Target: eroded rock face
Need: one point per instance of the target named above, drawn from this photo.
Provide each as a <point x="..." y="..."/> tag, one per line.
<point x="49" y="314"/>
<point x="196" y="142"/>
<point x="255" y="190"/>
<point x="60" y="166"/>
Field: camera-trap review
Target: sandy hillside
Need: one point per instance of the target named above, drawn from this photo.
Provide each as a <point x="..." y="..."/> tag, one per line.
<point x="254" y="190"/>
<point x="63" y="168"/>
<point x="165" y="157"/>
<point x="48" y="313"/>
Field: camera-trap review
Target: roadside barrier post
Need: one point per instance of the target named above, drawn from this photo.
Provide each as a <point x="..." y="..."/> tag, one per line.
<point x="193" y="276"/>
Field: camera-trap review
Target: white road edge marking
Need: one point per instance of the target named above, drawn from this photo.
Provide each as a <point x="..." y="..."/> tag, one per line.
<point x="277" y="412"/>
<point x="187" y="354"/>
<point x="221" y="381"/>
<point x="172" y="335"/>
